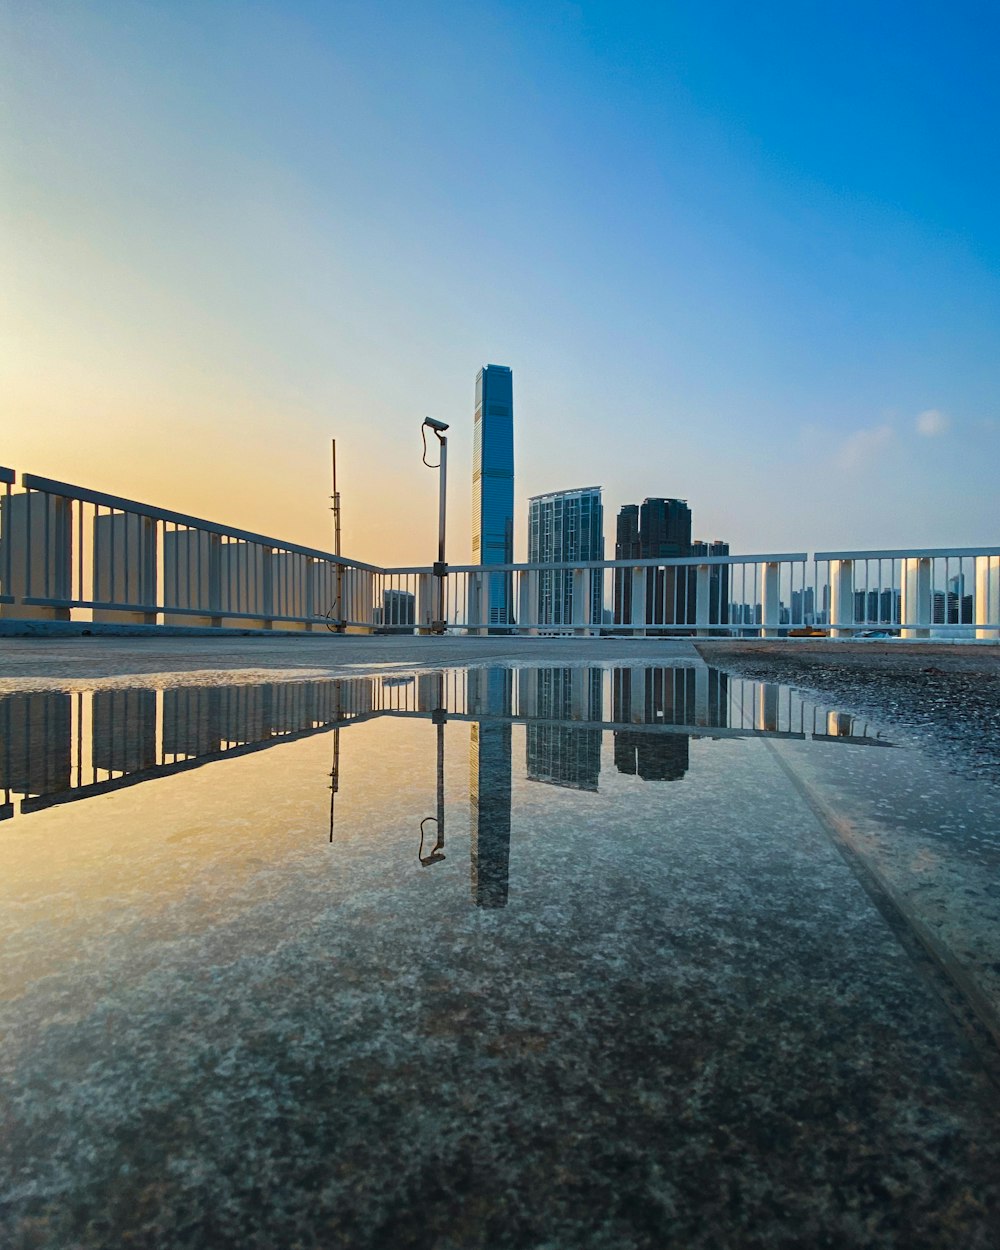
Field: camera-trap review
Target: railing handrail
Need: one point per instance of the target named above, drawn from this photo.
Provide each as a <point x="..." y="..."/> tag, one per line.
<point x="910" y="553"/>
<point x="31" y="481"/>
<point x="655" y="563"/>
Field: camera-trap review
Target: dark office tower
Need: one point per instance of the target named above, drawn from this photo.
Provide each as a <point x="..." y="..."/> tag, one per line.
<point x="490" y="695"/>
<point x="626" y="548"/>
<point x="566" y="526"/>
<point x="665" y="533"/>
<point x="493" y="486"/>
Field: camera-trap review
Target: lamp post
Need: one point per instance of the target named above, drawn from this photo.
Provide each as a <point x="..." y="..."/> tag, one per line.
<point x="440" y="567"/>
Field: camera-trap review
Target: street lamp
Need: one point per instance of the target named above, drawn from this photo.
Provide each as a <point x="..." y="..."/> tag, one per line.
<point x="440" y="567"/>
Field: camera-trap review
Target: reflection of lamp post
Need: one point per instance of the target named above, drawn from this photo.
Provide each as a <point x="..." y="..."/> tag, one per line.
<point x="440" y="567"/>
<point x="439" y="717"/>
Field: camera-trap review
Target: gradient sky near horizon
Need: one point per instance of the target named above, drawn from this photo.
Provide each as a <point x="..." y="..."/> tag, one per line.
<point x="743" y="254"/>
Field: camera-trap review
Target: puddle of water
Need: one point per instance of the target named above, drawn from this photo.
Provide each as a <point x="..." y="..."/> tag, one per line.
<point x="488" y="957"/>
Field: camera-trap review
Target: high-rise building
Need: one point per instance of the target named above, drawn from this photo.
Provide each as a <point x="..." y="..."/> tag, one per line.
<point x="566" y="526"/>
<point x="627" y="547"/>
<point x="493" y="487"/>
<point x="663" y="532"/>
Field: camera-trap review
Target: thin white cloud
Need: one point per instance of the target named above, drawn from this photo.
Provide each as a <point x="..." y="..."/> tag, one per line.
<point x="932" y="423"/>
<point x="863" y="447"/>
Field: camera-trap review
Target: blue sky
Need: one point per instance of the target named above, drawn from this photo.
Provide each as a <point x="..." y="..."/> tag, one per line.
<point x="745" y="254"/>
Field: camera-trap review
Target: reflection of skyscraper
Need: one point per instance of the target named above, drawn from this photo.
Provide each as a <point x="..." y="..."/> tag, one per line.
<point x="567" y="526"/>
<point x="562" y="755"/>
<point x="493" y="485"/>
<point x="490" y="694"/>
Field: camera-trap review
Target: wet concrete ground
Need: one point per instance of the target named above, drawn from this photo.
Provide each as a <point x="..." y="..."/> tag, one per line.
<point x="748" y="1008"/>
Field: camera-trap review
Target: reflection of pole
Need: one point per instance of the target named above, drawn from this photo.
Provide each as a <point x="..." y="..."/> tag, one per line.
<point x="336" y="540"/>
<point x="439" y="716"/>
<point x="334" y="776"/>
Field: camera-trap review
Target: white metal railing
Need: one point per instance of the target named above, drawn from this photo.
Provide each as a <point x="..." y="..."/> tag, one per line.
<point x="66" y="548"/>
<point x="67" y="552"/>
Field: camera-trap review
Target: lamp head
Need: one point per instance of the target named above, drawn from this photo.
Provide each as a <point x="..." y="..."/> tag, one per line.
<point x="437" y="426"/>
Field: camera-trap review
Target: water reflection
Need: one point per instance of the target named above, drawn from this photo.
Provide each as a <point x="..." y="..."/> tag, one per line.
<point x="57" y="747"/>
<point x="490" y="699"/>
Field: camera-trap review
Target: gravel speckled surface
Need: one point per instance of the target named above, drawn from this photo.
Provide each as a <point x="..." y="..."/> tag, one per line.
<point x="943" y="697"/>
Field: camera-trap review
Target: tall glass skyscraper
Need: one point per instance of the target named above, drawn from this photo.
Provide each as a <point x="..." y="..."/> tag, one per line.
<point x="566" y="526"/>
<point x="493" y="486"/>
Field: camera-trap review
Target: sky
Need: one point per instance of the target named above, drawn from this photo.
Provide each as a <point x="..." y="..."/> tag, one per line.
<point x="743" y="254"/>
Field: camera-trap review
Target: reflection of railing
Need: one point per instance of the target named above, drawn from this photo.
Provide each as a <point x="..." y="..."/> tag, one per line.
<point x="57" y="746"/>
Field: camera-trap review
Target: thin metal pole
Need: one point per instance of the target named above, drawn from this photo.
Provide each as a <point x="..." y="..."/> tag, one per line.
<point x="339" y="575"/>
<point x="441" y="622"/>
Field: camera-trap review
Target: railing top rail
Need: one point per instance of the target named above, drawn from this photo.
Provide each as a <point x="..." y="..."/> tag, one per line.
<point x="31" y="481"/>
<point x="7" y="475"/>
<point x="663" y="561"/>
<point x="909" y="553"/>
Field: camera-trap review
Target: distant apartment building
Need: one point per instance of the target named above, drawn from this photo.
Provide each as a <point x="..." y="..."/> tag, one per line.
<point x="566" y="526"/>
<point x="399" y="607"/>
<point x="493" y="487"/>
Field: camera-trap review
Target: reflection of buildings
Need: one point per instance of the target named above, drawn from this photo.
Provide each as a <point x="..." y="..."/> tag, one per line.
<point x="567" y="526"/>
<point x="664" y="696"/>
<point x="490" y="693"/>
<point x="562" y="755"/>
<point x="493" y="485"/>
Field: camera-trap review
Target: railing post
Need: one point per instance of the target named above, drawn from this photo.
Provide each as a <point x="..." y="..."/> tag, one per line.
<point x="478" y="592"/>
<point x="701" y="716"/>
<point x="915" y="605"/>
<point x="581" y="601"/>
<point x="38" y="551"/>
<point x="770" y="605"/>
<point x="703" y="599"/>
<point x="528" y="601"/>
<point x="426" y="599"/>
<point x="767" y="707"/>
<point x="987" y="596"/>
<point x="841" y="598"/>
<point x="638" y="620"/>
<point x="637" y="689"/>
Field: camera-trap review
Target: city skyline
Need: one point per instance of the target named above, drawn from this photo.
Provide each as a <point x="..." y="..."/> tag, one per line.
<point x="235" y="234"/>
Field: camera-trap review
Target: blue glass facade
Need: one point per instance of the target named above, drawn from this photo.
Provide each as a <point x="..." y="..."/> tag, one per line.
<point x="493" y="485"/>
<point x="566" y="526"/>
